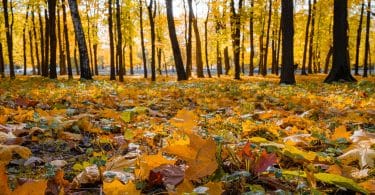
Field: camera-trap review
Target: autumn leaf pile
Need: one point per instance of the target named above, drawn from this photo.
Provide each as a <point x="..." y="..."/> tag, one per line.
<point x="201" y="136"/>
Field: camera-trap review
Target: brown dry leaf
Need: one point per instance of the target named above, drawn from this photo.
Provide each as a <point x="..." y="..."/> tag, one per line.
<point x="361" y="152"/>
<point x="70" y="136"/>
<point x="149" y="162"/>
<point x="369" y="185"/>
<point x="6" y="152"/>
<point x="334" y="169"/>
<point x="31" y="188"/>
<point x="185" y="120"/>
<point x="117" y="188"/>
<point x="341" y="132"/>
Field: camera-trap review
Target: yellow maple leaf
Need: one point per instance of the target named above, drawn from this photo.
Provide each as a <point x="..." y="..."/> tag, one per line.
<point x="117" y="188"/>
<point x="149" y="162"/>
<point x="341" y="132"/>
<point x="185" y="120"/>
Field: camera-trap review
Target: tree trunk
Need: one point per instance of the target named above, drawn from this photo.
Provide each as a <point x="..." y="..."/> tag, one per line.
<point x="119" y="41"/>
<point x="61" y="46"/>
<point x="358" y="43"/>
<point x="278" y="50"/>
<point x="42" y="40"/>
<point x="95" y="50"/>
<point x="9" y="39"/>
<point x="111" y="42"/>
<point x="52" y="34"/>
<point x="66" y="37"/>
<point x="45" y="66"/>
<point x="35" y="42"/>
<point x="236" y="37"/>
<point x="142" y="39"/>
<point x="131" y="59"/>
<point x="340" y="64"/>
<point x="181" y="74"/>
<point x="206" y="41"/>
<point x="24" y="41"/>
<point x="151" y="14"/>
<point x="2" y="65"/>
<point x="159" y="50"/>
<point x="83" y="54"/>
<point x="198" y="47"/>
<point x="91" y="64"/>
<point x="252" y="48"/>
<point x="328" y="59"/>
<point x="76" y="58"/>
<point x="287" y="69"/>
<point x="264" y="70"/>
<point x="367" y="43"/>
<point x="32" y="52"/>
<point x="189" y="42"/>
<point x="226" y="60"/>
<point x="311" y="43"/>
<point x="303" y="72"/>
<point x="243" y="51"/>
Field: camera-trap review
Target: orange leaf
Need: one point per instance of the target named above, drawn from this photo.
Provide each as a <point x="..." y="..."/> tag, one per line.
<point x="369" y="185"/>
<point x="149" y="162"/>
<point x="341" y="132"/>
<point x="185" y="120"/>
<point x="31" y="188"/>
<point x="4" y="188"/>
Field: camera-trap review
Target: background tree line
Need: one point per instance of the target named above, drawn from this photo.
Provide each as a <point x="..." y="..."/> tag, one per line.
<point x="201" y="38"/>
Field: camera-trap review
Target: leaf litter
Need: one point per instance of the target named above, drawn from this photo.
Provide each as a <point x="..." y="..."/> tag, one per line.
<point x="201" y="136"/>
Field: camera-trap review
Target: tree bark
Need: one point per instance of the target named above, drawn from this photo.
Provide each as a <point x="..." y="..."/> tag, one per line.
<point x="367" y="43"/>
<point x="83" y="54"/>
<point x="52" y="34"/>
<point x="119" y="41"/>
<point x="24" y="41"/>
<point x="340" y="64"/>
<point x="9" y="39"/>
<point x="358" y="43"/>
<point x="328" y="59"/>
<point x="226" y="60"/>
<point x="303" y="72"/>
<point x="151" y="14"/>
<point x="189" y="43"/>
<point x="181" y="74"/>
<point x="66" y="37"/>
<point x="252" y="48"/>
<point x="311" y="43"/>
<point x="264" y="70"/>
<point x="131" y="59"/>
<point x="62" y="61"/>
<point x="35" y="42"/>
<point x="142" y="39"/>
<point x="206" y="40"/>
<point x="287" y="22"/>
<point x="236" y="37"/>
<point x="42" y="41"/>
<point x="111" y="42"/>
<point x="198" y="47"/>
<point x="46" y="44"/>
<point x="2" y="65"/>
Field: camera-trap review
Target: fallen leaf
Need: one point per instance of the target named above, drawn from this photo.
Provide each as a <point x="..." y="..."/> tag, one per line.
<point x="361" y="152"/>
<point x="169" y="175"/>
<point x="117" y="188"/>
<point x="149" y="162"/>
<point x="6" y="152"/>
<point x="185" y="120"/>
<point x="341" y="132"/>
<point x="369" y="185"/>
<point x="31" y="188"/>
<point x="89" y="175"/>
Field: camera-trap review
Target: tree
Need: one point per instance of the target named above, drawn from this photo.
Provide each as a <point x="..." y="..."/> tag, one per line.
<point x="287" y="22"/>
<point x="252" y="48"/>
<point x="206" y="39"/>
<point x="42" y="50"/>
<point x="359" y="35"/>
<point x="83" y="54"/>
<point x="152" y="14"/>
<point x="111" y="42"/>
<point x="303" y="72"/>
<point x="340" y="64"/>
<point x="311" y="43"/>
<point x="236" y="36"/>
<point x="142" y="39"/>
<point x="35" y="40"/>
<point x="189" y="44"/>
<point x="264" y="70"/>
<point x="24" y="41"/>
<point x="9" y="38"/>
<point x="181" y="74"/>
<point x="52" y="38"/>
<point x="2" y="68"/>
<point x="119" y="41"/>
<point x="367" y="42"/>
<point x="198" y="47"/>
<point x="62" y="61"/>
<point x="46" y="44"/>
<point x="66" y="37"/>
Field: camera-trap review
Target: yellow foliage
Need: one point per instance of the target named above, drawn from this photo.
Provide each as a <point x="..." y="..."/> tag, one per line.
<point x="117" y="188"/>
<point x="149" y="162"/>
<point x="341" y="132"/>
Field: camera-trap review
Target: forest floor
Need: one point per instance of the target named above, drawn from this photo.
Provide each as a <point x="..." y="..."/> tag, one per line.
<point x="201" y="136"/>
